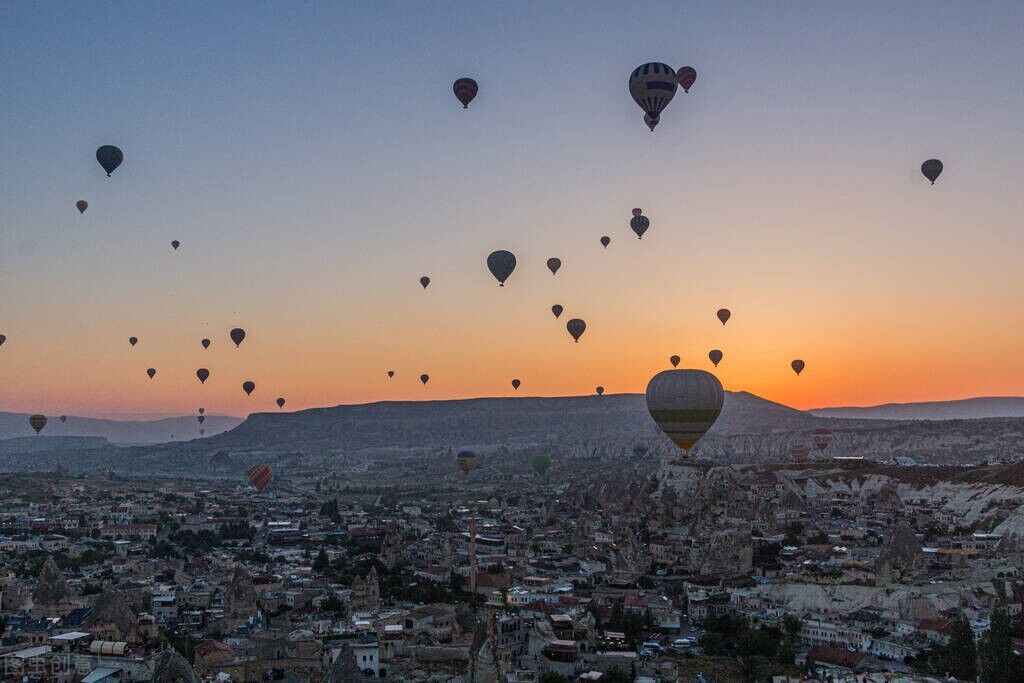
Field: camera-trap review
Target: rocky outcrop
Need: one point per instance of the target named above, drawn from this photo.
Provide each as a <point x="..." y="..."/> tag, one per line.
<point x="171" y="667"/>
<point x="112" y="614"/>
<point x="51" y="587"/>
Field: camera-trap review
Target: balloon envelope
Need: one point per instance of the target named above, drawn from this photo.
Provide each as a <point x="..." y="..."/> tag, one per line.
<point x="684" y="404"/>
<point x="600" y="391"/>
<point x="391" y="373"/>
<point x="797" y="365"/>
<point x="151" y="372"/>
<point x="424" y="281"/>
<point x="931" y="169"/>
<point x="280" y="402"/>
<point x="799" y="452"/>
<point x="424" y="378"/>
<point x="3" y="338"/>
<point x="716" y="356"/>
<point x="202" y="374"/>
<point x="605" y="241"/>
<point x="110" y="158"/>
<point x="576" y="328"/>
<point x="175" y="244"/>
<point x="465" y="90"/>
<point x="238" y="336"/>
<point x="724" y="314"/>
<point x="63" y="418"/>
<point x="822" y="437"/>
<point x="640" y="225"/>
<point x="554" y="264"/>
<point x="466" y="461"/>
<point x="248" y="387"/>
<point x="37" y="422"/>
<point x="202" y="410"/>
<point x="686" y="76"/>
<point x="200" y="419"/>
<point x="652" y="86"/>
<point x="501" y="263"/>
<point x="133" y="340"/>
<point x="260" y="476"/>
<point x="205" y="343"/>
<point x="557" y="310"/>
<point x="515" y="384"/>
<point x="674" y="360"/>
<point x="82" y="205"/>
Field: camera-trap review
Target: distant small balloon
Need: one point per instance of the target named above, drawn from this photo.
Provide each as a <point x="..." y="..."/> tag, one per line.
<point x="238" y="336"/>
<point x="931" y="169"/>
<point x="465" y="90"/>
<point x="280" y="402"/>
<point x="724" y="315"/>
<point x="424" y="378"/>
<point x="605" y="241"/>
<point x="576" y="328"/>
<point x="202" y="432"/>
<point x="202" y="410"/>
<point x="674" y="360"/>
<point x="133" y="340"/>
<point x="3" y="338"/>
<point x="515" y="384"/>
<point x="175" y="244"/>
<point x="797" y="365"/>
<point x="110" y="158"/>
<point x="248" y="387"/>
<point x="37" y="422"/>
<point x="151" y="372"/>
<point x="501" y="263"/>
<point x="205" y="343"/>
<point x="557" y="310"/>
<point x="716" y="356"/>
<point x="202" y="374"/>
<point x="424" y="281"/>
<point x="82" y="205"/>
<point x="687" y="76"/>
<point x="391" y="373"/>
<point x="200" y="419"/>
<point x="63" y="418"/>
<point x="640" y="225"/>
<point x="638" y="212"/>
<point x="600" y="391"/>
<point x="554" y="264"/>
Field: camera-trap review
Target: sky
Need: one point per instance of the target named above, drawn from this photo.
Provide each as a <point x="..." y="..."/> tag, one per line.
<point x="314" y="163"/>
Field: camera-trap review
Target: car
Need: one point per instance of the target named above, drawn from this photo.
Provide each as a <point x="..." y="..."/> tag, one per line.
<point x="683" y="642"/>
<point x="653" y="647"/>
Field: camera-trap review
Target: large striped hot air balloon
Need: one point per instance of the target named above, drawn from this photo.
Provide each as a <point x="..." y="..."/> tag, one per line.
<point x="260" y="476"/>
<point x="466" y="461"/>
<point x="465" y="90"/>
<point x="684" y="404"/>
<point x="822" y="438"/>
<point x="652" y="86"/>
<point x="686" y="76"/>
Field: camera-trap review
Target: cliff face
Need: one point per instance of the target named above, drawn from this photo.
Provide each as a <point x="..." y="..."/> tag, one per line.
<point x="51" y="588"/>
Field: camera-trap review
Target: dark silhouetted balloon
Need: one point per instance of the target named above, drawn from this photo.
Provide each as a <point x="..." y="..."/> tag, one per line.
<point x="248" y="387"/>
<point x="686" y="76"/>
<point x="424" y="281"/>
<point x="557" y="310"/>
<point x="501" y="263"/>
<point x="674" y="360"/>
<point x="202" y="432"/>
<point x="133" y="340"/>
<point x="151" y="372"/>
<point x="238" y="336"/>
<point x="931" y="169"/>
<point x="724" y="315"/>
<point x="205" y="343"/>
<point x="202" y="374"/>
<point x="652" y="121"/>
<point x="600" y="391"/>
<point x="465" y="90"/>
<point x="822" y="438"/>
<point x="639" y="225"/>
<point x="202" y="410"/>
<point x="260" y="476"/>
<point x="653" y="85"/>
<point x="554" y="264"/>
<point x="82" y="205"/>
<point x="797" y="365"/>
<point x="280" y="402"/>
<point x="799" y="452"/>
<point x="200" y="419"/>
<point x="110" y="158"/>
<point x="424" y="378"/>
<point x="576" y="328"/>
<point x="3" y="338"/>
<point x="391" y="373"/>
<point x="684" y="404"/>
<point x="63" y="418"/>
<point x="605" y="241"/>
<point x="637" y="212"/>
<point x="716" y="356"/>
<point x="515" y="384"/>
<point x="37" y="422"/>
<point x="466" y="461"/>
<point x="175" y="244"/>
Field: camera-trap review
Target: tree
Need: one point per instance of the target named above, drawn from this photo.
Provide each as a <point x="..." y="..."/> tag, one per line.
<point x="961" y="655"/>
<point x="792" y="624"/>
<point x="998" y="662"/>
<point x="713" y="643"/>
<point x="322" y="563"/>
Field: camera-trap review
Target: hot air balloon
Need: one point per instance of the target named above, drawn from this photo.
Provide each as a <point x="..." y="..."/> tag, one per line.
<point x="82" y="205"/>
<point x="931" y="169"/>
<point x="238" y="336"/>
<point x="175" y="244"/>
<point x="205" y="343"/>
<point x="652" y="121"/>
<point x="684" y="404"/>
<point x="248" y="386"/>
<point x="424" y="378"/>
<point x="822" y="438"/>
<point x="639" y="225"/>
<point x="465" y="90"/>
<point x="501" y="263"/>
<point x="653" y="85"/>
<point x="260" y="476"/>
<point x="200" y="419"/>
<point x="557" y="310"/>
<point x="724" y="314"/>
<point x="554" y="264"/>
<point x="799" y="452"/>
<point x="674" y="360"/>
<point x="280" y="402"/>
<point x="63" y="418"/>
<point x="202" y="410"/>
<point x="686" y="76"/>
<point x="540" y="464"/>
<point x="391" y="373"/>
<point x="576" y="328"/>
<point x="716" y="356"/>
<point x="3" y="337"/>
<point x="515" y="384"/>
<point x="202" y="374"/>
<point x="600" y="391"/>
<point x="797" y="365"/>
<point x="424" y="281"/>
<point x="466" y="461"/>
<point x="37" y="422"/>
<point x="110" y="158"/>
<point x="605" y="241"/>
<point x="151" y="372"/>
<point x="202" y="432"/>
<point x="133" y="340"/>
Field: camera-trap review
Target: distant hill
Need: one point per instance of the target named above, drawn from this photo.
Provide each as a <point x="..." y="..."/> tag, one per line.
<point x="116" y="431"/>
<point x="964" y="409"/>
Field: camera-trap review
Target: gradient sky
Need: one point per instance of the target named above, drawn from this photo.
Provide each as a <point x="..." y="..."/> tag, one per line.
<point x="314" y="164"/>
